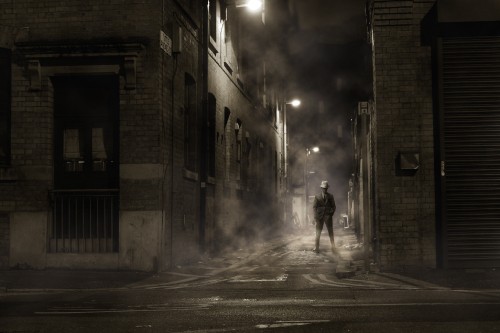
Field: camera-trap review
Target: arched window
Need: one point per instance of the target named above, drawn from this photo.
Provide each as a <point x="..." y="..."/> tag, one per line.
<point x="212" y="10"/>
<point x="190" y="123"/>
<point x="212" y="104"/>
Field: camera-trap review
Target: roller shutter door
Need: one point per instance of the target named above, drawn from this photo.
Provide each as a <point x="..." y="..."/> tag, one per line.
<point x="470" y="106"/>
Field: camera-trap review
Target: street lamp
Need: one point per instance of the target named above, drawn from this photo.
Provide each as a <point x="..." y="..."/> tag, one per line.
<point x="252" y="5"/>
<point x="306" y="182"/>
<point x="295" y="103"/>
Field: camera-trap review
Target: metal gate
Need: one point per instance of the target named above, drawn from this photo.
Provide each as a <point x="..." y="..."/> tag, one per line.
<point x="470" y="150"/>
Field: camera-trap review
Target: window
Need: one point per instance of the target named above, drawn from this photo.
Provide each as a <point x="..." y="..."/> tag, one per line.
<point x="227" y="113"/>
<point x="246" y="168"/>
<point x="212" y="11"/>
<point x="238" y="130"/>
<point x="5" y="86"/>
<point x="227" y="133"/>
<point x="212" y="104"/>
<point x="190" y="123"/>
<point x="248" y="147"/>
<point x="275" y="171"/>
<point x="86" y="132"/>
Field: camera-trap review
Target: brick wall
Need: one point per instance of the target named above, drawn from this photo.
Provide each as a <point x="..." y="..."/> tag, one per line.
<point x="70" y="23"/>
<point x="153" y="181"/>
<point x="404" y="123"/>
<point x="49" y="22"/>
<point x="247" y="202"/>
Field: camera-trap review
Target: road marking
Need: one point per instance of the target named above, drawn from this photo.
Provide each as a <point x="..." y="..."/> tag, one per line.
<point x="177" y="282"/>
<point x="187" y="284"/>
<point x="382" y="284"/>
<point x="139" y="308"/>
<point x="241" y="278"/>
<point x="322" y="279"/>
<point x="251" y="269"/>
<point x="285" y="253"/>
<point x="411" y="281"/>
<point x="280" y="325"/>
<point x="355" y="305"/>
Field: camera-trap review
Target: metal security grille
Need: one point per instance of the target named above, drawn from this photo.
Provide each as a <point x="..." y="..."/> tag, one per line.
<point x="84" y="221"/>
<point x="470" y="92"/>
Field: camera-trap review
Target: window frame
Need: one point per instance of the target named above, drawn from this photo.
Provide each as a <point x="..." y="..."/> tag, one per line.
<point x="190" y="123"/>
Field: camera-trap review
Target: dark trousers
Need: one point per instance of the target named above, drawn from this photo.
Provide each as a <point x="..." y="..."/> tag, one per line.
<point x="327" y="219"/>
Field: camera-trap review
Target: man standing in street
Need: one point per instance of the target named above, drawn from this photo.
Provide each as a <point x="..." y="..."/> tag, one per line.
<point x="324" y="208"/>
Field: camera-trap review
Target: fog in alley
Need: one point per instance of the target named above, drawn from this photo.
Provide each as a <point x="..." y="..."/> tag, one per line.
<point x="159" y="160"/>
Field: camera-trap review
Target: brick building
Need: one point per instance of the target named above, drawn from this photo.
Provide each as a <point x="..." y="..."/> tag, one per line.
<point x="433" y="133"/>
<point x="131" y="132"/>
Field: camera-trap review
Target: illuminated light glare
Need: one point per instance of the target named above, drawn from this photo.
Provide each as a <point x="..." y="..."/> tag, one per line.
<point x="254" y="5"/>
<point x="315" y="149"/>
<point x="295" y="103"/>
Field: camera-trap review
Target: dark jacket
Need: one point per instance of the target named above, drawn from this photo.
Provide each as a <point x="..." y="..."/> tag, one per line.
<point x="324" y="207"/>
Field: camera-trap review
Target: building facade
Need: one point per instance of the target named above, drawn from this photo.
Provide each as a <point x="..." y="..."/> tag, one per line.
<point x="434" y="120"/>
<point x="133" y="135"/>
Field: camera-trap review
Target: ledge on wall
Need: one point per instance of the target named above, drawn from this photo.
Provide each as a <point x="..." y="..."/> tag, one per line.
<point x="39" y="56"/>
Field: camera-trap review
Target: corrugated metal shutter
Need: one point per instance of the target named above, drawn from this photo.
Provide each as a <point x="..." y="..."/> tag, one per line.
<point x="470" y="89"/>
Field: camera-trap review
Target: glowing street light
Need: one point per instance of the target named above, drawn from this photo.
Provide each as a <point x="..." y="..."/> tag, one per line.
<point x="295" y="103"/>
<point x="252" y="5"/>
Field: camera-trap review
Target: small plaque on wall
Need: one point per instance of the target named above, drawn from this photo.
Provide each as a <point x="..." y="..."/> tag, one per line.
<point x="165" y="43"/>
<point x="409" y="161"/>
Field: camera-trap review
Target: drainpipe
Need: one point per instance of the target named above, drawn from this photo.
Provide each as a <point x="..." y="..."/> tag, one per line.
<point x="365" y="194"/>
<point x="204" y="120"/>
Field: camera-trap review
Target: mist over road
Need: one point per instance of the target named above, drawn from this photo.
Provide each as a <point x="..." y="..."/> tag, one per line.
<point x="281" y="286"/>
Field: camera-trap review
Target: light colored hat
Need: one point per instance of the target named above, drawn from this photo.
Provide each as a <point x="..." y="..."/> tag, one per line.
<point x="324" y="184"/>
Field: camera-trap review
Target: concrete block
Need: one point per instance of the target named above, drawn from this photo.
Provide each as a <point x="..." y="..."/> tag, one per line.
<point x="140" y="233"/>
<point x="28" y="234"/>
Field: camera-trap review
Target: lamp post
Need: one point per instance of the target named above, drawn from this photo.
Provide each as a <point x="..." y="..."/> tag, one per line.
<point x="295" y="103"/>
<point x="306" y="182"/>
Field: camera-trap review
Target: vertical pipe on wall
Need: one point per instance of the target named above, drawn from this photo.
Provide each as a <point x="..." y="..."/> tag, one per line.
<point x="365" y="192"/>
<point x="204" y="119"/>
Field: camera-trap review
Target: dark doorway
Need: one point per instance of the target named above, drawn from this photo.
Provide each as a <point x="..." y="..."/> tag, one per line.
<point x="86" y="175"/>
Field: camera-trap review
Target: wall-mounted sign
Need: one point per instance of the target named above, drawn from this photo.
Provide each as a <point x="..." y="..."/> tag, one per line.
<point x="165" y="43"/>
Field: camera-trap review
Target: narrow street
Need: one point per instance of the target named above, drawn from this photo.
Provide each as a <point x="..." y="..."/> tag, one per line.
<point x="280" y="287"/>
<point x="159" y="159"/>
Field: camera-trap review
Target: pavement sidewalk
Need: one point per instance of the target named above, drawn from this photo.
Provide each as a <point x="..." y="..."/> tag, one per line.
<point x="353" y="257"/>
<point x="20" y="280"/>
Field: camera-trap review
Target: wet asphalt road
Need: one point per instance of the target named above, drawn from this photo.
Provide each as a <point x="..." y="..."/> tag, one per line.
<point x="284" y="288"/>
